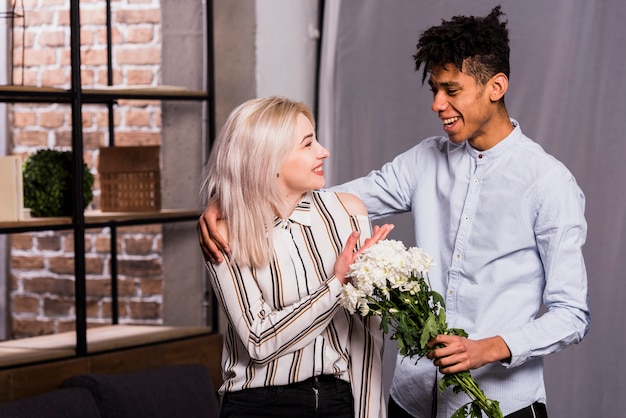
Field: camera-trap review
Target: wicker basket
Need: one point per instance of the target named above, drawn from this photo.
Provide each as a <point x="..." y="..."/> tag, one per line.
<point x="130" y="179"/>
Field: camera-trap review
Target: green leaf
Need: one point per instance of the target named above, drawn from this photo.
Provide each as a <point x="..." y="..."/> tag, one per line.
<point x="429" y="331"/>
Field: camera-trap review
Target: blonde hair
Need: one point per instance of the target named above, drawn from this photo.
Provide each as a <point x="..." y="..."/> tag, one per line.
<point x="242" y="173"/>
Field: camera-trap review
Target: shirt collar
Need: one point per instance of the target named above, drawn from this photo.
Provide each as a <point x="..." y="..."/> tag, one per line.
<point x="301" y="214"/>
<point x="501" y="147"/>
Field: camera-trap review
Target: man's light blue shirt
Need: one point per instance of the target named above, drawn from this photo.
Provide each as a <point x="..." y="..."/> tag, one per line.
<point x="506" y="229"/>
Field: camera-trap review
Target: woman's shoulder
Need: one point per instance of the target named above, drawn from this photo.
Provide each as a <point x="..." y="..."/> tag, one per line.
<point x="353" y="204"/>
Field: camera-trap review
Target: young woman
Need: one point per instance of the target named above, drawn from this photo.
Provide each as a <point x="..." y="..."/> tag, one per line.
<point x="290" y="349"/>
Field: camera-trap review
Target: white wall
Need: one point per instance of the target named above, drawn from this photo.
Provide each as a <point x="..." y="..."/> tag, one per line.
<point x="286" y="48"/>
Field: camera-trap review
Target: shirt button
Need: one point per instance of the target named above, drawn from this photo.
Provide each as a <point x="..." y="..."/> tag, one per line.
<point x="450" y="292"/>
<point x="480" y="156"/>
<point x="458" y="256"/>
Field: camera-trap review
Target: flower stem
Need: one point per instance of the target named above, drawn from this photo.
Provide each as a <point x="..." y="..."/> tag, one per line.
<point x="463" y="381"/>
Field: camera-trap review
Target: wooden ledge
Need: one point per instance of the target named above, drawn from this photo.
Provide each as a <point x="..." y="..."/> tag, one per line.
<point x="101" y="339"/>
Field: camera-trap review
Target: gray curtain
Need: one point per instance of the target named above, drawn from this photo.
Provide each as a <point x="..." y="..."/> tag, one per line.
<point x="567" y="90"/>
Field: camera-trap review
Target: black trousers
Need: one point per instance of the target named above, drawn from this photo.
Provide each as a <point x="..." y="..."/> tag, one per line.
<point x="317" y="397"/>
<point x="536" y="410"/>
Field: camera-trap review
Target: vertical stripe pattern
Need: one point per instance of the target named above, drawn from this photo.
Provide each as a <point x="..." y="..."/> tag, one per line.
<point x="284" y="321"/>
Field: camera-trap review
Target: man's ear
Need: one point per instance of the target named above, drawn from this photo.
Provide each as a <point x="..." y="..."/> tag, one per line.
<point x="499" y="84"/>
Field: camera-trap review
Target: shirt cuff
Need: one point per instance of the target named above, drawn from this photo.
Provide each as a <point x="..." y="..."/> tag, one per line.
<point x="518" y="348"/>
<point x="334" y="286"/>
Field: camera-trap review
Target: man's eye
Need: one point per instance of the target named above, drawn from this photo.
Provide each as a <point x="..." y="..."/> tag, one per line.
<point x="452" y="92"/>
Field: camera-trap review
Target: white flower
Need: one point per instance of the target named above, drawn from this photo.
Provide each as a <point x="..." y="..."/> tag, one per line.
<point x="384" y="266"/>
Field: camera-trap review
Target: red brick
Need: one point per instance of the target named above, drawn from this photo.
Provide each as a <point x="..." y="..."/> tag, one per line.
<point x="39" y="57"/>
<point x="94" y="265"/>
<point x="140" y="35"/>
<point x="93" y="309"/>
<point x="94" y="56"/>
<point x="97" y="288"/>
<point x="88" y="36"/>
<point x="137" y="138"/>
<point x="54" y="77"/>
<point x="35" y="262"/>
<point x="137" y="16"/>
<point x="157" y="119"/>
<point x="61" y="265"/>
<point x="56" y="307"/>
<point x="116" y="36"/>
<point x="138" y="56"/>
<point x="39" y="17"/>
<point x="93" y="140"/>
<point x="145" y="310"/>
<point x="103" y="244"/>
<point x="22" y="241"/>
<point x="25" y="304"/>
<point x="103" y="80"/>
<point x="106" y="310"/>
<point x="140" y="77"/>
<point x="32" y="138"/>
<point x="52" y="119"/>
<point x="138" y="245"/>
<point x="139" y="103"/>
<point x="47" y="284"/>
<point x="26" y="77"/>
<point x="126" y="287"/>
<point x="51" y="38"/>
<point x="22" y="119"/>
<point x="140" y="268"/>
<point x="26" y="327"/>
<point x="87" y="77"/>
<point x="137" y="117"/>
<point x="151" y="287"/>
<point x="93" y="16"/>
<point x="141" y="229"/>
<point x="49" y="243"/>
<point x="65" y="57"/>
<point x="63" y="138"/>
<point x="66" y="325"/>
<point x="54" y="3"/>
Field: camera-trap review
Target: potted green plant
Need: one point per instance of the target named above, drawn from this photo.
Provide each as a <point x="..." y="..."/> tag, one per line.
<point x="48" y="176"/>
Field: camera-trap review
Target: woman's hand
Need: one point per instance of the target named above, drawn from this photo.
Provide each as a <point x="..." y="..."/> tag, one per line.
<point x="210" y="239"/>
<point x="348" y="255"/>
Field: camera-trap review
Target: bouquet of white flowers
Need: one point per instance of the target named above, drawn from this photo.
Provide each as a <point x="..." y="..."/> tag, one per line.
<point x="391" y="281"/>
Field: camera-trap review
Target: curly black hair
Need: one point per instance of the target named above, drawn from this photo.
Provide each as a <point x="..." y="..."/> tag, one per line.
<point x="481" y="43"/>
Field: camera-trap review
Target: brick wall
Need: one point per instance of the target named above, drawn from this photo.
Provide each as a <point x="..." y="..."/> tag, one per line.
<point x="42" y="263"/>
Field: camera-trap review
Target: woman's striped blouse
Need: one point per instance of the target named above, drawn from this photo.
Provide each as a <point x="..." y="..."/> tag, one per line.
<point x="284" y="321"/>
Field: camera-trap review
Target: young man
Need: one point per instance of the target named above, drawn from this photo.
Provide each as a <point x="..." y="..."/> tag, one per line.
<point x="504" y="220"/>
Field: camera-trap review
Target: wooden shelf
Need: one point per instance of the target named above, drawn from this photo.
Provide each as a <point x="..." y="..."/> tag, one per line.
<point x="98" y="218"/>
<point x="36" y="222"/>
<point x="100" y="339"/>
<point x="12" y="93"/>
<point x="143" y="92"/>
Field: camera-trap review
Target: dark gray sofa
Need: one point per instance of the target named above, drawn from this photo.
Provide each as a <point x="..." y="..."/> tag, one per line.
<point x="184" y="391"/>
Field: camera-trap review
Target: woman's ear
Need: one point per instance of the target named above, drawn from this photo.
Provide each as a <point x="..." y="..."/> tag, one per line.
<point x="499" y="84"/>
